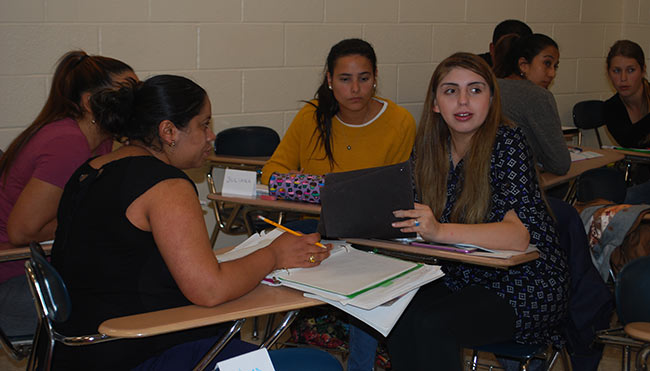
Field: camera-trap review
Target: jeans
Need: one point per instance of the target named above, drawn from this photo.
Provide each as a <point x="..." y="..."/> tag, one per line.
<point x="638" y="194"/>
<point x="363" y="347"/>
<point x="17" y="312"/>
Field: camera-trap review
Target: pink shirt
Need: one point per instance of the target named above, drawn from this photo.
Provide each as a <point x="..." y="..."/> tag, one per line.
<point x="52" y="155"/>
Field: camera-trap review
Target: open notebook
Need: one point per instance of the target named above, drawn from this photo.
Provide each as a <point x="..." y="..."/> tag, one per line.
<point x="372" y="287"/>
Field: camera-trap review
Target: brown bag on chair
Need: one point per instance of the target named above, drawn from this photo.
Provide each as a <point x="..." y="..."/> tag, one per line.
<point x="635" y="245"/>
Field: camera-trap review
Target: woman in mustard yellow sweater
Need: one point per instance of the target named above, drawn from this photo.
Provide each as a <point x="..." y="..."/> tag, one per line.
<point x="346" y="127"/>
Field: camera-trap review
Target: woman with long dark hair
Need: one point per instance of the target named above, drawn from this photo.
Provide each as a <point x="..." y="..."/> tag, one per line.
<point x="346" y="126"/>
<point x="37" y="164"/>
<point x="526" y="66"/>
<point x="132" y="238"/>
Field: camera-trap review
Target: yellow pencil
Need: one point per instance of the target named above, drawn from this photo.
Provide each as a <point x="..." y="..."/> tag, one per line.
<point x="286" y="229"/>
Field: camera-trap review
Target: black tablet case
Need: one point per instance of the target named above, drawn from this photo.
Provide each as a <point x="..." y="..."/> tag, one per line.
<point x="360" y="203"/>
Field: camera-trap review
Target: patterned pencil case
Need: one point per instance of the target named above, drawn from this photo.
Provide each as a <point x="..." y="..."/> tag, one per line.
<point x="296" y="187"/>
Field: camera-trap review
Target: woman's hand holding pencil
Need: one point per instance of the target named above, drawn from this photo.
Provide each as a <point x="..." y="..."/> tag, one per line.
<point x="291" y="252"/>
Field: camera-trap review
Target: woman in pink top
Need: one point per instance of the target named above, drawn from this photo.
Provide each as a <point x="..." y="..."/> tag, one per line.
<point x="37" y="164"/>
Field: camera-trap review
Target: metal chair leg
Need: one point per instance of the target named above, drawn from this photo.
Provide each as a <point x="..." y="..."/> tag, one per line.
<point x="625" y="361"/>
<point x="642" y="358"/>
<point x="286" y="322"/>
<point x="219" y="345"/>
<point x="269" y="326"/>
<point x="474" y="365"/>
<point x="255" y="334"/>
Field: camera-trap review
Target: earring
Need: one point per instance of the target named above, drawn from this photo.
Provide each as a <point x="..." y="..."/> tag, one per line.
<point x="329" y="86"/>
<point x="172" y="144"/>
<point x="93" y="121"/>
<point x="374" y="86"/>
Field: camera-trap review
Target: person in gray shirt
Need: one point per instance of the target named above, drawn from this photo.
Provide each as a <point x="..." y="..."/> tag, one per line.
<point x="526" y="66"/>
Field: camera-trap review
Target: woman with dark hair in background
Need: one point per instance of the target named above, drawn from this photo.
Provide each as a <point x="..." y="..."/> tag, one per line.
<point x="346" y="127"/>
<point x="526" y="66"/>
<point x="38" y="163"/>
<point x="136" y="210"/>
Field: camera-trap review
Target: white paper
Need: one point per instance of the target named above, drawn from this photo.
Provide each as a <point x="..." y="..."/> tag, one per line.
<point x="348" y="273"/>
<point x="253" y="243"/>
<point x="579" y="156"/>
<point x="382" y="294"/>
<point x="505" y="254"/>
<point x="382" y="318"/>
<point x="239" y="182"/>
<point x="257" y="360"/>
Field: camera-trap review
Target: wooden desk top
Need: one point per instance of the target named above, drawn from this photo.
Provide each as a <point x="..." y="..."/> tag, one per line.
<point x="634" y="155"/>
<point x="283" y="205"/>
<point x="548" y="180"/>
<point x="448" y="255"/>
<point x="262" y="300"/>
<point x="237" y="160"/>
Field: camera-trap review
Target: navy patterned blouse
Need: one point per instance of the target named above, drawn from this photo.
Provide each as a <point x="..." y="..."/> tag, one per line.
<point x="538" y="290"/>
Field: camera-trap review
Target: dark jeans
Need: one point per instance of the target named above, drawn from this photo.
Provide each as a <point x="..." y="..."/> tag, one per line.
<point x="185" y="356"/>
<point x="439" y="323"/>
<point x="17" y="312"/>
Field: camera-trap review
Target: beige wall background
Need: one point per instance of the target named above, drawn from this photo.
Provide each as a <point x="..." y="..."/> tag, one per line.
<point x="258" y="58"/>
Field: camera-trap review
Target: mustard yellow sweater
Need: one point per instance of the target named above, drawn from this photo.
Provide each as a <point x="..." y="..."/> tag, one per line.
<point x="386" y="140"/>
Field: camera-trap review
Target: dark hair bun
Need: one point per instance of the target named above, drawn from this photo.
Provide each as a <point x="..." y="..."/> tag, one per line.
<point x="112" y="108"/>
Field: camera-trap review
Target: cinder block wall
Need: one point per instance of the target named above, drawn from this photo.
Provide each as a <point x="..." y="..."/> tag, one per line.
<point x="258" y="58"/>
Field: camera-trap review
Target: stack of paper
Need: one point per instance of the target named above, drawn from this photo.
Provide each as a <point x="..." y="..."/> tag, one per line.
<point x="372" y="287"/>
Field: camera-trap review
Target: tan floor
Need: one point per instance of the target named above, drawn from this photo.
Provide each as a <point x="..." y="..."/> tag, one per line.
<point x="611" y="358"/>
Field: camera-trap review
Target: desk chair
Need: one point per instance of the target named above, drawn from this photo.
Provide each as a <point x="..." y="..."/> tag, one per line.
<point x="53" y="306"/>
<point x="640" y="331"/>
<point x="589" y="304"/>
<point x="633" y="309"/>
<point x="17" y="347"/>
<point x="589" y="114"/>
<point x="248" y="141"/>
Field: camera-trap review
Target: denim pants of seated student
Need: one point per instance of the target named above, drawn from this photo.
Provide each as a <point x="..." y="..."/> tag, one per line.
<point x="185" y="356"/>
<point x="17" y="312"/>
<point x="638" y="194"/>
<point x="362" y="345"/>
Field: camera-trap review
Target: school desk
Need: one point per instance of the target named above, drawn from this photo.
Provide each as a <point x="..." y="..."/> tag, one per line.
<point x="230" y="223"/>
<point x="548" y="180"/>
<point x="237" y="162"/>
<point x="447" y="255"/>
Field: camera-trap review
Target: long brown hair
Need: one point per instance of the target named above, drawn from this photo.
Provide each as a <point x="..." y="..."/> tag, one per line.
<point x="432" y="148"/>
<point x="75" y="74"/>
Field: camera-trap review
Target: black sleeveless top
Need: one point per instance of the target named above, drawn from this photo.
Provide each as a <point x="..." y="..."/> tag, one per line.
<point x="112" y="268"/>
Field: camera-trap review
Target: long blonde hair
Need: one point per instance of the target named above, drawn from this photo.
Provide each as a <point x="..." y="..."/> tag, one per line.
<point x="432" y="149"/>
